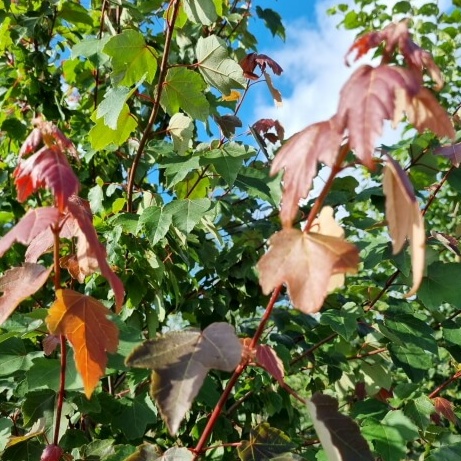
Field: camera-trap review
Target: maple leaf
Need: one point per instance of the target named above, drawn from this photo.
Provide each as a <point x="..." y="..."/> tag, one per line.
<point x="263" y="126"/>
<point x="404" y="218"/>
<point x="83" y="320"/>
<point x="33" y="223"/>
<point x="267" y="358"/>
<point x="445" y="408"/>
<point x="251" y="60"/>
<point x="31" y="143"/>
<point x="367" y="99"/>
<point x="46" y="168"/>
<point x="299" y="157"/>
<point x="424" y="112"/>
<point x="305" y="262"/>
<point x="17" y="284"/>
<point x="91" y="254"/>
<point x="451" y="152"/>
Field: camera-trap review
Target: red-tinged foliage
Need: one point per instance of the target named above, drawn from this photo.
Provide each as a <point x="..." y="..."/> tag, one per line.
<point x="32" y="143"/>
<point x="50" y="343"/>
<point x="251" y="60"/>
<point x="91" y="254"/>
<point x="52" y="453"/>
<point x="83" y="320"/>
<point x="445" y="408"/>
<point x="451" y="152"/>
<point x="17" y="284"/>
<point x="397" y="36"/>
<point x="263" y="127"/>
<point x="46" y="168"/>
<point x="268" y="359"/>
<point x="367" y="99"/>
<point x="299" y="156"/>
<point x="29" y="227"/>
<point x="404" y="218"/>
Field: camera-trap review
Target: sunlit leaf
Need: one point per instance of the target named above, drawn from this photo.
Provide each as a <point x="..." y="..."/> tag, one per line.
<point x="180" y="362"/>
<point x="17" y="284"/>
<point x="340" y="436"/>
<point x="404" y="218"/>
<point x="181" y="128"/>
<point x="187" y="213"/>
<point x="452" y="152"/>
<point x="200" y="11"/>
<point x="83" y="320"/>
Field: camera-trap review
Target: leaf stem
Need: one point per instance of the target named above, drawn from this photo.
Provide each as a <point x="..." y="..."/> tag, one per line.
<point x="445" y="384"/>
<point x="175" y="4"/>
<point x="62" y="385"/>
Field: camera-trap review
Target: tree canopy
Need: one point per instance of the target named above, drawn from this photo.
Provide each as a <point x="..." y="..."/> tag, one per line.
<point x="174" y="288"/>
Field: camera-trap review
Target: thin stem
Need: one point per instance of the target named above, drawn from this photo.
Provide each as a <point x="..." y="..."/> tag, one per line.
<point x="445" y="384"/>
<point x="265" y="317"/>
<point x="436" y="190"/>
<point x="313" y="348"/>
<point x="57" y="267"/>
<point x="62" y="385"/>
<point x="155" y="109"/>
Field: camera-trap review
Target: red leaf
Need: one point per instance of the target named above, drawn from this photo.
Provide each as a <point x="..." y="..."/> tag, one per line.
<point x="250" y="61"/>
<point x="50" y="343"/>
<point x="445" y="408"/>
<point x="267" y="358"/>
<point x="265" y="124"/>
<point x="32" y="142"/>
<point x="299" y="157"/>
<point x="367" y="99"/>
<point x="30" y="225"/>
<point x="46" y="168"/>
<point x="83" y="320"/>
<point x="452" y="152"/>
<point x="18" y="284"/>
<point x="91" y="254"/>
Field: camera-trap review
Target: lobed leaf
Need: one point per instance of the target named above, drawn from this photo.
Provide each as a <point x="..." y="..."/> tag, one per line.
<point x="404" y="218"/>
<point x="267" y="358"/>
<point x="308" y="263"/>
<point x="452" y="152"/>
<point x="201" y="12"/>
<point x="17" y="284"/>
<point x="83" y="320"/>
<point x="299" y="157"/>
<point x="180" y="362"/>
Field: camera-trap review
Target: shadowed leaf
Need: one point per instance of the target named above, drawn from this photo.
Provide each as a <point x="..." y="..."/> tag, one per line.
<point x="17" y="284"/>
<point x="340" y="436"/>
<point x="404" y="218"/>
<point x="451" y="152"/>
<point x="180" y="362"/>
<point x="83" y="320"/>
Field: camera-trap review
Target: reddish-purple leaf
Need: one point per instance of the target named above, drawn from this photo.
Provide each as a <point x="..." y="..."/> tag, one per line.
<point x="451" y="152"/>
<point x="267" y="358"/>
<point x="445" y="408"/>
<point x="299" y="157"/>
<point x="404" y="218"/>
<point x="50" y="343"/>
<point x="250" y="61"/>
<point x="91" y="254"/>
<point x="18" y="284"/>
<point x="46" y="168"/>
<point x="367" y="99"/>
<point x="32" y="143"/>
<point x="30" y="225"/>
<point x="264" y="125"/>
<point x="228" y="123"/>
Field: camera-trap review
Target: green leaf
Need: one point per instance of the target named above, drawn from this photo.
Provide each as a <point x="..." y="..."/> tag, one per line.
<point x="96" y="197"/>
<point x="102" y="136"/>
<point x="265" y="442"/>
<point x="451" y="331"/>
<point x="412" y="359"/>
<point x="390" y="435"/>
<point x="38" y="404"/>
<point x="184" y="89"/>
<point x="180" y="362"/>
<point x="112" y="106"/>
<point x="157" y="221"/>
<point x="441" y="285"/>
<point x="446" y="453"/>
<point x="181" y="129"/>
<point x="177" y="168"/>
<point x="129" y="222"/>
<point x="30" y="450"/>
<point x="273" y="21"/>
<point x="419" y="410"/>
<point x="341" y="321"/>
<point x="376" y="377"/>
<point x="91" y="47"/>
<point x="187" y="213"/>
<point x="218" y="70"/>
<point x="228" y="160"/>
<point x="200" y="11"/>
<point x="131" y="58"/>
<point x="14" y="357"/>
<point x="135" y="416"/>
<point x="5" y="431"/>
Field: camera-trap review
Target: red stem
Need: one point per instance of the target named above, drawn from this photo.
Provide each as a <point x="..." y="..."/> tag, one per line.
<point x="445" y="384"/>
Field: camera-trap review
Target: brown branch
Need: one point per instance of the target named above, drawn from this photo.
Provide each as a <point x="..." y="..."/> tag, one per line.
<point x="445" y="384"/>
<point x="155" y="109"/>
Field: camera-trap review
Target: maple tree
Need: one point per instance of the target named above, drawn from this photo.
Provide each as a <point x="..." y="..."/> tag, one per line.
<point x="215" y="305"/>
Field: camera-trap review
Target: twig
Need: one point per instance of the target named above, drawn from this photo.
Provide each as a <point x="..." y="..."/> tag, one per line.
<point x="445" y="384"/>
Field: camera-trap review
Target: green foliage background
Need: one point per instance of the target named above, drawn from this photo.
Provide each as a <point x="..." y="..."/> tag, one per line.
<point x="185" y="240"/>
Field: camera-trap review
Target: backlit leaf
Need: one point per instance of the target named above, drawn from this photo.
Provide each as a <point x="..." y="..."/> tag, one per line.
<point x="404" y="218"/>
<point x="46" y="168"/>
<point x="200" y="11"/>
<point x="452" y="152"/>
<point x="180" y="362"/>
<point x="184" y="89"/>
<point x="306" y="262"/>
<point x="299" y="157"/>
<point x="156" y="221"/>
<point x="83" y="320"/>
<point x="267" y="358"/>
<point x="32" y="224"/>
<point x="181" y="128"/>
<point x="218" y="70"/>
<point x="340" y="436"/>
<point x="17" y="284"/>
<point x="445" y="408"/>
<point x="265" y="442"/>
<point x="187" y="213"/>
<point x="131" y="58"/>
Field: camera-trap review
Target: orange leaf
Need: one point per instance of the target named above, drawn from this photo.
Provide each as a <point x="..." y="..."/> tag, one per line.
<point x="306" y="262"/>
<point x="404" y="218"/>
<point x="83" y="320"/>
<point x="234" y="95"/>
